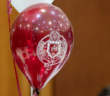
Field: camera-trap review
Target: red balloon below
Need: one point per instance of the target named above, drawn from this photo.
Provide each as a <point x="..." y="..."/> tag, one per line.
<point x="41" y="42"/>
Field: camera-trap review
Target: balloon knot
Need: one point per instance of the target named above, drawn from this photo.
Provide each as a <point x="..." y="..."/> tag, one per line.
<point x="37" y="92"/>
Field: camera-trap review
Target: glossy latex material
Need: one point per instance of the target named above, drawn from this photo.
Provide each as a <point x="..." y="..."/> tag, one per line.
<point x="41" y="42"/>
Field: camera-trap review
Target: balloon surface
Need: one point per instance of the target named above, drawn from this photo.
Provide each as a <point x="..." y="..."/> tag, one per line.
<point x="41" y="41"/>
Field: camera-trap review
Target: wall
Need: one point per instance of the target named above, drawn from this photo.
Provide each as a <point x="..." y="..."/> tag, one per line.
<point x="87" y="70"/>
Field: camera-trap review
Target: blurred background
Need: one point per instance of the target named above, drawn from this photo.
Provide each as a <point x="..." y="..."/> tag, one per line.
<point x="87" y="71"/>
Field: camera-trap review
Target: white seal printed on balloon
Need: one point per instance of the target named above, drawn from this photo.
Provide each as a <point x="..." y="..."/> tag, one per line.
<point x="51" y="50"/>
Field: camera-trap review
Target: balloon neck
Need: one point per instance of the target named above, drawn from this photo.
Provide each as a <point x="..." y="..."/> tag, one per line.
<point x="37" y="91"/>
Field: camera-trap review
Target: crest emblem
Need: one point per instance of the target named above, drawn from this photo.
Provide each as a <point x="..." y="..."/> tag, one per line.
<point x="51" y="50"/>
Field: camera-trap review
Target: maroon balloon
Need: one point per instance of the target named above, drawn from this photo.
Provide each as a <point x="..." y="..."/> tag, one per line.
<point x="41" y="42"/>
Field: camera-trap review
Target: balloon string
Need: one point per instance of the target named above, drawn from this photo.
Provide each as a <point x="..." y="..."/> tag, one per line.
<point x="9" y="11"/>
<point x="17" y="78"/>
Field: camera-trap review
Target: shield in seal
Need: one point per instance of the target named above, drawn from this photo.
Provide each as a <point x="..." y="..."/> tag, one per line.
<point x="51" y="50"/>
